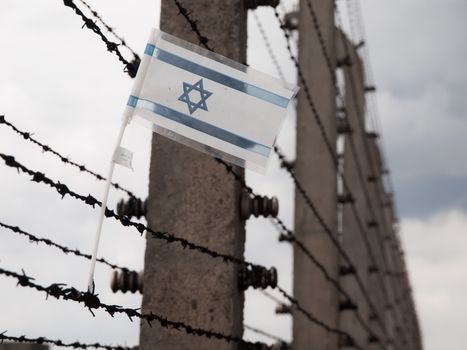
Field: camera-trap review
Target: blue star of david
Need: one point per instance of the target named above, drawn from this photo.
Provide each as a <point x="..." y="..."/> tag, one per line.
<point x="204" y="94"/>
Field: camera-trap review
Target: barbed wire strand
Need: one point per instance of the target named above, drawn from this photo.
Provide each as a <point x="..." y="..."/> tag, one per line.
<point x="66" y="250"/>
<point x="110" y="29"/>
<point x="130" y="67"/>
<point x="45" y="148"/>
<point x="58" y="342"/>
<point x="63" y="190"/>
<point x="313" y="319"/>
<point x="268" y="335"/>
<point x="92" y="302"/>
<point x="268" y="46"/>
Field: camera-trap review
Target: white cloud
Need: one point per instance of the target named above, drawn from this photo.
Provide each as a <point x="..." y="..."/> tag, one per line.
<point x="437" y="263"/>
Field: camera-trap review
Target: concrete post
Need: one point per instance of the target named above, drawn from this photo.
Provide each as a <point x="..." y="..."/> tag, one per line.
<point x="352" y="237"/>
<point x="193" y="197"/>
<point x="316" y="172"/>
<point x="379" y="282"/>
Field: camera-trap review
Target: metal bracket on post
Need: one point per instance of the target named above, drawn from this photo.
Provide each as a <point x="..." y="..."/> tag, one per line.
<point x="347" y="305"/>
<point x="343" y="126"/>
<point x="345" y="198"/>
<point x="345" y="61"/>
<point x="346" y="270"/>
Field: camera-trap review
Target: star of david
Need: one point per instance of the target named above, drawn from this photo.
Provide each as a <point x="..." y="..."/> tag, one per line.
<point x="204" y="95"/>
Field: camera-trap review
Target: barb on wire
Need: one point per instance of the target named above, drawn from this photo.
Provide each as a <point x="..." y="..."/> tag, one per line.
<point x="130" y="67"/>
<point x="63" y="190"/>
<point x="50" y="243"/>
<point x="45" y="148"/>
<point x="57" y="342"/>
<point x="92" y="302"/>
<point x="193" y="24"/>
<point x="109" y="28"/>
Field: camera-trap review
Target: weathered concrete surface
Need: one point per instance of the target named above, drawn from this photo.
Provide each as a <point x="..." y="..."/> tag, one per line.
<point x="353" y="241"/>
<point x="193" y="197"/>
<point x="316" y="172"/>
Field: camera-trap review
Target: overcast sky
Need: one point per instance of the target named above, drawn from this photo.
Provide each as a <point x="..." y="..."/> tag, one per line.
<point x="57" y="81"/>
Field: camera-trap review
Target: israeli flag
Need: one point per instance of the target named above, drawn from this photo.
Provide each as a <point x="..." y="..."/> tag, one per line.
<point x="209" y="102"/>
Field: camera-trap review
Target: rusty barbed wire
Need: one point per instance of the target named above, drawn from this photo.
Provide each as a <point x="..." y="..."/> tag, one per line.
<point x="92" y="302"/>
<point x="130" y="67"/>
<point x="58" y="342"/>
<point x="66" y="250"/>
<point x="45" y="148"/>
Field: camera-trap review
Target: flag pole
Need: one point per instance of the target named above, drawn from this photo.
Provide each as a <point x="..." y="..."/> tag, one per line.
<point x="104" y="204"/>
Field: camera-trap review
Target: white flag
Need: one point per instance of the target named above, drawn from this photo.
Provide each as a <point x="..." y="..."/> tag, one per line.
<point x="209" y="102"/>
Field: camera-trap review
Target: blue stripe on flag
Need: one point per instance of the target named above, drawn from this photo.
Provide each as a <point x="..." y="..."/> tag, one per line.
<point x="213" y="75"/>
<point x="199" y="125"/>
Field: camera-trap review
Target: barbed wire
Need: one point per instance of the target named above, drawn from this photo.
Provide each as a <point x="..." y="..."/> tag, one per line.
<point x="285" y="344"/>
<point x="63" y="190"/>
<point x="362" y="177"/>
<point x="204" y="41"/>
<point x="324" y="137"/>
<point x="110" y="29"/>
<point x="45" y="148"/>
<point x="335" y="163"/>
<point x="226" y="168"/>
<point x="193" y="24"/>
<point x="92" y="302"/>
<point x="332" y="73"/>
<point x="58" y="342"/>
<point x="130" y="67"/>
<point x="313" y="319"/>
<point x="170" y="238"/>
<point x="268" y="46"/>
<point x="66" y="250"/>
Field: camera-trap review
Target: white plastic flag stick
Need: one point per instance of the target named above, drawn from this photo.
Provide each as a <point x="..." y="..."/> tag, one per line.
<point x="104" y="205"/>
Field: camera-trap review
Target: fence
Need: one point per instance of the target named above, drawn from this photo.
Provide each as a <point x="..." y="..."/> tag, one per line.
<point x="351" y="287"/>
